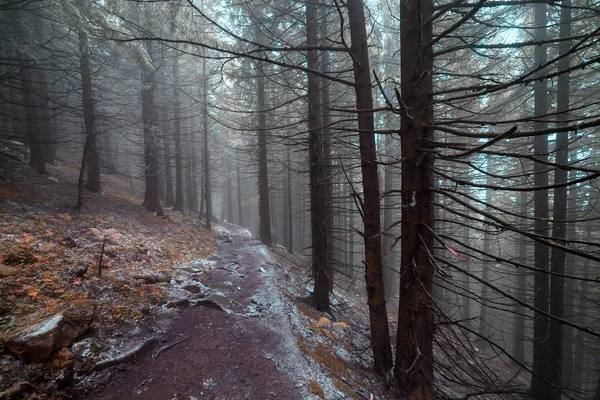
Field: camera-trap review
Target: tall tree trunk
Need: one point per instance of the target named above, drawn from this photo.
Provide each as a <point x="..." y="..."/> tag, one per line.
<point x="389" y="262"/>
<point x="239" y="195"/>
<point x="559" y="225"/>
<point x="320" y="262"/>
<point x="484" y="320"/>
<point x="521" y="289"/>
<point x="229" y="201"/>
<point x="414" y="348"/>
<point x="582" y="320"/>
<point x="540" y="365"/>
<point x="151" y="195"/>
<point x="264" y="209"/>
<point x="327" y="180"/>
<point x="46" y="131"/>
<point x="178" y="206"/>
<point x="168" y="167"/>
<point x="380" y="335"/>
<point x="206" y="157"/>
<point x="290" y="213"/>
<point x="88" y="109"/>
<point x="89" y="115"/>
<point x="32" y="124"/>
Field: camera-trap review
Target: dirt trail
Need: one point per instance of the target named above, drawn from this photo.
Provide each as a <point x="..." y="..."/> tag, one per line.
<point x="249" y="353"/>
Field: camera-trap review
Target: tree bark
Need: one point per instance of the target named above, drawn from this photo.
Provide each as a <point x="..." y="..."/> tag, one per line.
<point x="89" y="116"/>
<point x="540" y="366"/>
<point x="290" y="213"/>
<point x="179" y="203"/>
<point x="32" y="124"/>
<point x="206" y="157"/>
<point x="264" y="208"/>
<point x="239" y="196"/>
<point x="485" y="270"/>
<point x="321" y="272"/>
<point x="414" y="348"/>
<point x="559" y="225"/>
<point x="380" y="335"/>
<point x="151" y="195"/>
<point x="521" y="289"/>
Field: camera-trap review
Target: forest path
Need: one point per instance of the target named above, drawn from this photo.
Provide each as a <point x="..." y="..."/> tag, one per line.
<point x="248" y="353"/>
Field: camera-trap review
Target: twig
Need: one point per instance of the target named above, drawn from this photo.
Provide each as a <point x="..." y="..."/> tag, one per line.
<point x="101" y="257"/>
<point x="125" y="357"/>
<point x="169" y="346"/>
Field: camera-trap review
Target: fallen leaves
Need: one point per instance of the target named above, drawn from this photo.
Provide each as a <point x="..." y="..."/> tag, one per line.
<point x="62" y="358"/>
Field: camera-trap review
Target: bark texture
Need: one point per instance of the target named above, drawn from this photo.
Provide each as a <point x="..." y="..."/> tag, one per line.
<point x="414" y="348"/>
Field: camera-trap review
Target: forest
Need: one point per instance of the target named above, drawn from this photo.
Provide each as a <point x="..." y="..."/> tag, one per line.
<point x="431" y="164"/>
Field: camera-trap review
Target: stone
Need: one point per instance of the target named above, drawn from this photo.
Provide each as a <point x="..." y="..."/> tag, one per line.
<point x="6" y="271"/>
<point x="219" y="299"/>
<point x="192" y="288"/>
<point x="36" y="343"/>
<point x="183" y="303"/>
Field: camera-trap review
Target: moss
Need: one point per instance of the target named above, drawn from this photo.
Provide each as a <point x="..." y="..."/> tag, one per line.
<point x="325" y="356"/>
<point x="316" y="389"/>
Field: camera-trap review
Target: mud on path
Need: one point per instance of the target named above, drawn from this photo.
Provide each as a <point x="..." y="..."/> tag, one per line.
<point x="245" y="350"/>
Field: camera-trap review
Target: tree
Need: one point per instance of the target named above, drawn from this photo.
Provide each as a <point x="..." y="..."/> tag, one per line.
<point x="380" y="337"/>
<point x="321" y="272"/>
<point x="414" y="343"/>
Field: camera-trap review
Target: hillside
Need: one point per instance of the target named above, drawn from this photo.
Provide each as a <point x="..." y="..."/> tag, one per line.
<point x="154" y="271"/>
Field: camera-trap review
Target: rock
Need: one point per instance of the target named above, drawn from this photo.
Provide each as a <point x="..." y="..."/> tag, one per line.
<point x="183" y="303"/>
<point x="192" y="288"/>
<point x="77" y="320"/>
<point x="219" y="299"/>
<point x="53" y="179"/>
<point x="36" y="343"/>
<point x="69" y="242"/>
<point x="5" y="271"/>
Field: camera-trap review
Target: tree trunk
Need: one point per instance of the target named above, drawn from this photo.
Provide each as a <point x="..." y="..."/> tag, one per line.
<point x="178" y="206"/>
<point x="264" y="209"/>
<point x="540" y="365"/>
<point x="485" y="270"/>
<point x="582" y="320"/>
<point x="521" y="289"/>
<point x="151" y="195"/>
<point x="206" y="157"/>
<point x="32" y="124"/>
<point x="327" y="181"/>
<point x="239" y="195"/>
<point x="168" y="171"/>
<point x="46" y="132"/>
<point x="89" y="115"/>
<point x="321" y="272"/>
<point x="290" y="214"/>
<point x="414" y="348"/>
<point x="559" y="226"/>
<point x="380" y="335"/>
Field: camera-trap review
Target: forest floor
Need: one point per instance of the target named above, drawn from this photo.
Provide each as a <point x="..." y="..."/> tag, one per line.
<point x="178" y="312"/>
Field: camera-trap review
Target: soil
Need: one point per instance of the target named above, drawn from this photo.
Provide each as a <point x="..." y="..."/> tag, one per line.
<point x="237" y="355"/>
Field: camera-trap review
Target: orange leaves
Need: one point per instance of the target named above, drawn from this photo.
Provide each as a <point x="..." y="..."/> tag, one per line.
<point x="65" y="217"/>
<point x="340" y="324"/>
<point x="33" y="293"/>
<point x="27" y="238"/>
<point x="62" y="358"/>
